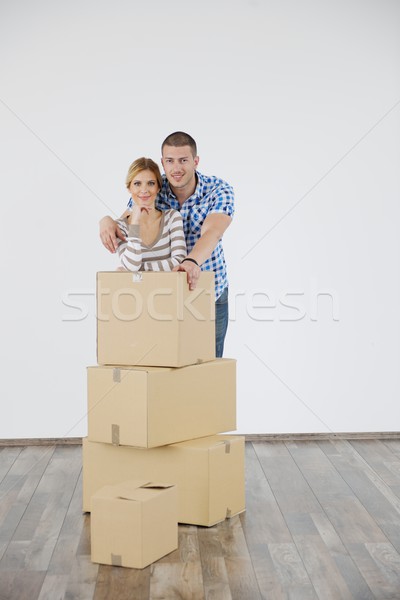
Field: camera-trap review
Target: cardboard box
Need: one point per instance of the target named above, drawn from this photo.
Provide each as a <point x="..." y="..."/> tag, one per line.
<point x="134" y="523"/>
<point x="153" y="319"/>
<point x="154" y="406"/>
<point x="209" y="473"/>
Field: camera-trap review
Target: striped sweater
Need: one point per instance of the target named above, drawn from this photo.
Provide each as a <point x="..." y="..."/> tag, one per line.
<point x="165" y="253"/>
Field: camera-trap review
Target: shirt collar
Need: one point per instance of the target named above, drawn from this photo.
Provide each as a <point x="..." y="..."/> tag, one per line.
<point x="196" y="194"/>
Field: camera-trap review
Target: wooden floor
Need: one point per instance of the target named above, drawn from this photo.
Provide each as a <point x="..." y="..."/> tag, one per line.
<point x="322" y="521"/>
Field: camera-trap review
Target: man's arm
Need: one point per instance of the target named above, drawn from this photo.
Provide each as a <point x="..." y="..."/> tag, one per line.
<point x="110" y="232"/>
<point x="214" y="227"/>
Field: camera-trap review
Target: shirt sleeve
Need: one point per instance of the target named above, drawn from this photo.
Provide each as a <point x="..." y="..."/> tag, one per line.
<point x="130" y="251"/>
<point x="222" y="200"/>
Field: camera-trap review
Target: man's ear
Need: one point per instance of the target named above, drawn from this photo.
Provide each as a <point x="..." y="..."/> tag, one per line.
<point x="196" y="160"/>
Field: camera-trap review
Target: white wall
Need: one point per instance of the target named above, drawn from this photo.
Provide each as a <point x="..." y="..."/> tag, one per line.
<point x="292" y="102"/>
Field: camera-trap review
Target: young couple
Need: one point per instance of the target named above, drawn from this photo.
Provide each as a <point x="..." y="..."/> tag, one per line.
<point x="175" y="222"/>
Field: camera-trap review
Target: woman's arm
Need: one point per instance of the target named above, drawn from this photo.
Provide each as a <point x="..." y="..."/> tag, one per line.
<point x="130" y="251"/>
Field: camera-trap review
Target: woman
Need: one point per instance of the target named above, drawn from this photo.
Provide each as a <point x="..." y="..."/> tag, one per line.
<point x="154" y="239"/>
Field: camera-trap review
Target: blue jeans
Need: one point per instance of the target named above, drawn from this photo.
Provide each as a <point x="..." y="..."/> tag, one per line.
<point x="221" y="322"/>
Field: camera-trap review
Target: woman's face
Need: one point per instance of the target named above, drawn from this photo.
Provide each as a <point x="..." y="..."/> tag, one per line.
<point x="144" y="188"/>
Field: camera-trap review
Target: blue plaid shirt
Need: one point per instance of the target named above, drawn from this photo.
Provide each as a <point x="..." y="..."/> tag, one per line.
<point x="212" y="195"/>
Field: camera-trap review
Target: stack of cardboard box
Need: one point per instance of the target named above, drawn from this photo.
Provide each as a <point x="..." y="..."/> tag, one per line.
<point x="158" y="402"/>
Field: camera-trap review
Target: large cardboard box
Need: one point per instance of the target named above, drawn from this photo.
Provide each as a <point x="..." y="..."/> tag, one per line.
<point x="134" y="523"/>
<point x="153" y="319"/>
<point x="154" y="406"/>
<point x="209" y="473"/>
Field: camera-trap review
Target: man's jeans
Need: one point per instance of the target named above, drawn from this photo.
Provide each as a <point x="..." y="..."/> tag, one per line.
<point x="221" y="322"/>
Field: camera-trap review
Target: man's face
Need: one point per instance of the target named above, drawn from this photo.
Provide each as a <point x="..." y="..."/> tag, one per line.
<point x="179" y="166"/>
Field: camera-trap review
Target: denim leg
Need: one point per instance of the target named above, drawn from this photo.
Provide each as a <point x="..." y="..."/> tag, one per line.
<point x="221" y="322"/>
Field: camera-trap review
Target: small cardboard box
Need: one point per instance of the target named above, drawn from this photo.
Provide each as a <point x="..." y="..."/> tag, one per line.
<point x="209" y="473"/>
<point x="153" y="319"/>
<point x="154" y="406"/>
<point x="133" y="523"/>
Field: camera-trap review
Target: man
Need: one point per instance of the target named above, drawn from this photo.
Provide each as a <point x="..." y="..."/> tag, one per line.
<point x="206" y="205"/>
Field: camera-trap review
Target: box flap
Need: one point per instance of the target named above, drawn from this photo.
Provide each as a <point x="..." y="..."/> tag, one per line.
<point x="133" y="490"/>
<point x="157" y="486"/>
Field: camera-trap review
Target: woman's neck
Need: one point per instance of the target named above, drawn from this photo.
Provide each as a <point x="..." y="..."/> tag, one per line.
<point x="151" y="216"/>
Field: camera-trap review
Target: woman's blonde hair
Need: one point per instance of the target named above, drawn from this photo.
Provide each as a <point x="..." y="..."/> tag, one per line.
<point x="142" y="164"/>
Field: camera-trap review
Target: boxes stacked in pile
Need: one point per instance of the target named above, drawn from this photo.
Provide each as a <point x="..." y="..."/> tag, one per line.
<point x="159" y="399"/>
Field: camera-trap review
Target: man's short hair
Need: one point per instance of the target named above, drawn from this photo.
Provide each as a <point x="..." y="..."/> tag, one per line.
<point x="178" y="139"/>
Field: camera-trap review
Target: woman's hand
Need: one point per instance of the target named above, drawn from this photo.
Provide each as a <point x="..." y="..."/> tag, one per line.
<point x="137" y="211"/>
<point x="134" y="217"/>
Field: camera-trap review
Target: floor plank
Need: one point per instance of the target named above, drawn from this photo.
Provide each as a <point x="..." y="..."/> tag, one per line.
<point x="121" y="583"/>
<point x="185" y="560"/>
<point x="342" y="557"/>
<point x="335" y="494"/>
<point x="214" y="574"/>
<point x="176" y="581"/>
<point x="21" y="584"/>
<point x="382" y="586"/>
<point x="313" y="569"/>
<point x="369" y="487"/>
<point x="349" y="522"/>
<point x="7" y="458"/>
<point x="68" y="540"/>
<point x="82" y="579"/>
<point x="380" y="458"/>
<point x="239" y="567"/>
<point x="262" y="523"/>
<point x="42" y="521"/>
<point x="291" y="570"/>
<point x="83" y="576"/>
<point x="393" y="445"/>
<point x="16" y="491"/>
<point x="188" y="546"/>
<point x="63" y="566"/>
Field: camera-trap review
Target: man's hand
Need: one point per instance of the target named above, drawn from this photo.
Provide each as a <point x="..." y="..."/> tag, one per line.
<point x="192" y="270"/>
<point x="109" y="234"/>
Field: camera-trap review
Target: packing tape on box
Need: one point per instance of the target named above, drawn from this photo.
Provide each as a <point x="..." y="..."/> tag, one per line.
<point x="227" y="446"/>
<point x="117" y="375"/>
<point x="116" y="560"/>
<point x="115" y="434"/>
